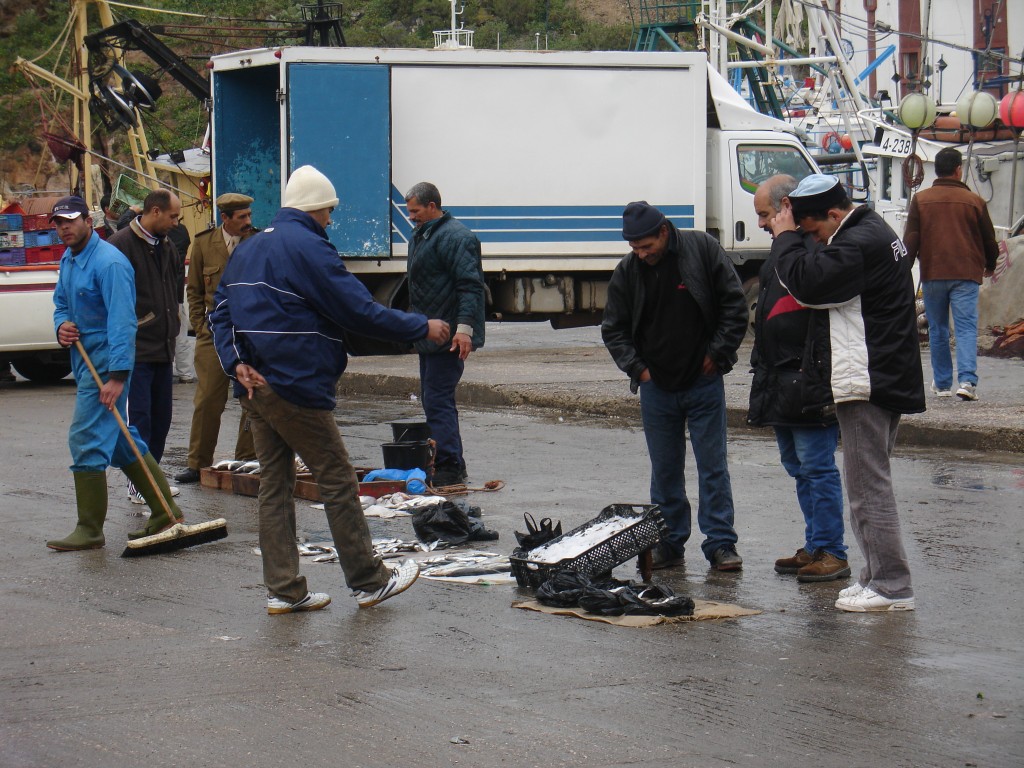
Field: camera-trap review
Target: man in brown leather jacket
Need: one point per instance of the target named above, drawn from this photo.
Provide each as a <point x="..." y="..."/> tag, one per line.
<point x="207" y="258"/>
<point x="950" y="232"/>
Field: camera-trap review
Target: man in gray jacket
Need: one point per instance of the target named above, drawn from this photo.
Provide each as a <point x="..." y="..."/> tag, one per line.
<point x="446" y="281"/>
<point x="674" y="318"/>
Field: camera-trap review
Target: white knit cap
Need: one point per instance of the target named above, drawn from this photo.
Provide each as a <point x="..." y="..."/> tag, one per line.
<point x="309" y="190"/>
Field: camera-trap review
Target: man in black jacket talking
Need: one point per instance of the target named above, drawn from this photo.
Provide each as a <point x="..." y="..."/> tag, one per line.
<point x="674" y="318"/>
<point x="791" y="394"/>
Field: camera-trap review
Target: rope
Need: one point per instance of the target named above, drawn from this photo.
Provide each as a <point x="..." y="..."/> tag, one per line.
<point x="913" y="171"/>
<point x="458" y="489"/>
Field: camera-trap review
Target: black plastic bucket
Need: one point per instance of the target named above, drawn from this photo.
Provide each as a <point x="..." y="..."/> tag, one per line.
<point x="406" y="455"/>
<point x="410" y="431"/>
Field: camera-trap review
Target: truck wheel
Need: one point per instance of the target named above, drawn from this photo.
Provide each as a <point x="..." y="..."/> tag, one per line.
<point x="751" y="288"/>
<point x="41" y="371"/>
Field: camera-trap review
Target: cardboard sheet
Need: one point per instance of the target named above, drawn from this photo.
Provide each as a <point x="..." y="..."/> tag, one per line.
<point x="703" y="610"/>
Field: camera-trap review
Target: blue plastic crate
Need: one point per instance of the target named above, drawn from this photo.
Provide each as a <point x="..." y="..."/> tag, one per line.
<point x="10" y="221"/>
<point x="12" y="257"/>
<point x="40" y="238"/>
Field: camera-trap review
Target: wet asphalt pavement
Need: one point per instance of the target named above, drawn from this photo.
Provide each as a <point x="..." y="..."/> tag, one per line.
<point x="171" y="660"/>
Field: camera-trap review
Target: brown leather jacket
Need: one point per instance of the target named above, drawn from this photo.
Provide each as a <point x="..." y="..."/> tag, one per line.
<point x="950" y="231"/>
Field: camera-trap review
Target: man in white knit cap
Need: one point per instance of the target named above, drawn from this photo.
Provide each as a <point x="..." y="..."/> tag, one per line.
<point x="280" y="312"/>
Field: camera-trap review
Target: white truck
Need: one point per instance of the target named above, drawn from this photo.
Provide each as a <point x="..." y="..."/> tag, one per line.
<point x="536" y="152"/>
<point x="27" y="340"/>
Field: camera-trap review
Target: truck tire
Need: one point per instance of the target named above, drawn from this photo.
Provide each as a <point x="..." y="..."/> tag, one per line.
<point x="751" y="288"/>
<point x="42" y="371"/>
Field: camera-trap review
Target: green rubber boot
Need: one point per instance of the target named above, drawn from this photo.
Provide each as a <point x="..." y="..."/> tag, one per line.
<point x="158" y="520"/>
<point x="91" y="495"/>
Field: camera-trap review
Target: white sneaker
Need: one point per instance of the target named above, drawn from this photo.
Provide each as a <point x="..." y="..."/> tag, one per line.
<point x="136" y="498"/>
<point x="402" y="577"/>
<point x="869" y="600"/>
<point x="967" y="391"/>
<point x="941" y="392"/>
<point x="852" y="590"/>
<point x="133" y="494"/>
<point x="313" y="601"/>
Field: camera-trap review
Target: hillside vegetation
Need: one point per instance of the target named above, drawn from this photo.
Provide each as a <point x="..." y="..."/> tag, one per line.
<point x="28" y="28"/>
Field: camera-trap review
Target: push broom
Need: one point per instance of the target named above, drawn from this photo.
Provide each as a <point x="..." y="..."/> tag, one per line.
<point x="178" y="536"/>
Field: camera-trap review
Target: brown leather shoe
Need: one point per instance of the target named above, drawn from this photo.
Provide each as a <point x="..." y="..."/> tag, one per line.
<point x="794" y="563"/>
<point x="826" y="567"/>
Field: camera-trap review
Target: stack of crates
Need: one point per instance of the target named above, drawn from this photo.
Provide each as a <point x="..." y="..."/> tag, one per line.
<point x="42" y="246"/>
<point x="12" y="240"/>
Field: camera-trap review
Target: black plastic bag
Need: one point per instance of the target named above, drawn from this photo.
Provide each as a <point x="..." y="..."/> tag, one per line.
<point x="537" y="534"/>
<point x="449" y="523"/>
<point x="611" y="597"/>
<point x="655" y="600"/>
<point x="563" y="589"/>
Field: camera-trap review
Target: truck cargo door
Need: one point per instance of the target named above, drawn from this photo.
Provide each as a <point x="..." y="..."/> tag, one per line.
<point x="339" y="120"/>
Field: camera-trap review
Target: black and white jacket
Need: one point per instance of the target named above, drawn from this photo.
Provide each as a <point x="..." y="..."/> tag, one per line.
<point x="862" y="276"/>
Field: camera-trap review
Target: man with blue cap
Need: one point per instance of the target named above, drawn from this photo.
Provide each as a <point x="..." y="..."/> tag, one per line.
<point x="860" y="273"/>
<point x="94" y="303"/>
<point x="674" y="318"/>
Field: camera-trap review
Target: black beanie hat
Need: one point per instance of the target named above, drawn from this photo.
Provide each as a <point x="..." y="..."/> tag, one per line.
<point x="640" y="220"/>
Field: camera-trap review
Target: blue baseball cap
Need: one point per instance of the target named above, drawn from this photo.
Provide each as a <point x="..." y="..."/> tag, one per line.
<point x="70" y="207"/>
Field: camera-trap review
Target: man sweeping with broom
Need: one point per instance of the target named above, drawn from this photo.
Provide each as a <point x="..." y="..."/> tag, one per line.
<point x="95" y="312"/>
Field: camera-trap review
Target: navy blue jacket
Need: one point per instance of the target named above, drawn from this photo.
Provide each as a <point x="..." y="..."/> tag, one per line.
<point x="283" y="303"/>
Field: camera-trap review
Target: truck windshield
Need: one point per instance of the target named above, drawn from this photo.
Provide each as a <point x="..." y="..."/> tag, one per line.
<point x="757" y="162"/>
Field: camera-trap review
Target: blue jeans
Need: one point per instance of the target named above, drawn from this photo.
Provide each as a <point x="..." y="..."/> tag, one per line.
<point x="440" y="374"/>
<point x="665" y="416"/>
<point x="809" y="456"/>
<point x="940" y="296"/>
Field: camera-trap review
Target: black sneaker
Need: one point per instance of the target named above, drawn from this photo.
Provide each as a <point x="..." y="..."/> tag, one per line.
<point x="726" y="559"/>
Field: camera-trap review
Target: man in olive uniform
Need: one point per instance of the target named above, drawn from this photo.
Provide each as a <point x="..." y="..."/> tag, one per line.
<point x="207" y="259"/>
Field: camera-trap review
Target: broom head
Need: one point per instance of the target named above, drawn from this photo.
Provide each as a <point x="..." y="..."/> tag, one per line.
<point x="178" y="536"/>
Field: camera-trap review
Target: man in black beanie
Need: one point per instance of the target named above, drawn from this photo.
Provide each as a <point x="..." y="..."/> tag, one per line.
<point x="674" y="318"/>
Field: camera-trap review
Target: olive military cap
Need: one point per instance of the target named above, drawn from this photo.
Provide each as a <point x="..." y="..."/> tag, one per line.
<point x="232" y="201"/>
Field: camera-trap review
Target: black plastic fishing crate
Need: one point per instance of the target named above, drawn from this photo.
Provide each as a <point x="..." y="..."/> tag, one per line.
<point x="619" y="547"/>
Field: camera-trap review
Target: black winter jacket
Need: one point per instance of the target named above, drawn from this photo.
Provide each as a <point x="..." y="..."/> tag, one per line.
<point x="712" y="281"/>
<point x="862" y="276"/>
<point x="790" y="358"/>
<point x="159" y="281"/>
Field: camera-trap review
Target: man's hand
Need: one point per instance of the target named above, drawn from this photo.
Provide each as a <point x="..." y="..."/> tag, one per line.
<point x="249" y="378"/>
<point x="645" y="376"/>
<point x="67" y="334"/>
<point x="463" y="344"/>
<point x="438" y="331"/>
<point x="783" y="220"/>
<point x="110" y="392"/>
<point x="709" y="367"/>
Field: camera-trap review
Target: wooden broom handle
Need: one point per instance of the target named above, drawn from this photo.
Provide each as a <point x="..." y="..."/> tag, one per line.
<point x="127" y="434"/>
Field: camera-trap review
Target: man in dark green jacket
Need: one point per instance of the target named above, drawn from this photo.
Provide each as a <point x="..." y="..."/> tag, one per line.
<point x="446" y="281"/>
